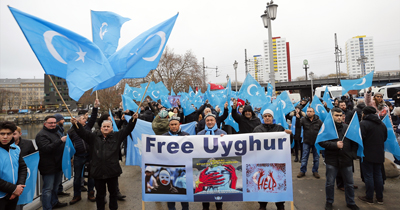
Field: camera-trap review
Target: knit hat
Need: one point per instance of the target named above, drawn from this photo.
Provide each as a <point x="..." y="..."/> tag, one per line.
<point x="378" y="93"/>
<point x="268" y="111"/>
<point x="210" y="114"/>
<point x="174" y="118"/>
<point x="163" y="114"/>
<point x="59" y="117"/>
<point x="369" y="110"/>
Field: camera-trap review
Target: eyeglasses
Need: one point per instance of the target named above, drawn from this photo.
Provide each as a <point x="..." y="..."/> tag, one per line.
<point x="8" y="134"/>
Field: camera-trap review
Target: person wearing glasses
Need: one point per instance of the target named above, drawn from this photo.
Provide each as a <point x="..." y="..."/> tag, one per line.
<point x="378" y="103"/>
<point x="51" y="147"/>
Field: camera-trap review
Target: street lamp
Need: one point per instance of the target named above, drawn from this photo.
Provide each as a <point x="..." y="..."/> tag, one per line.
<point x="235" y="67"/>
<point x="270" y="14"/>
<point x="312" y="88"/>
<point x="227" y="79"/>
<point x="306" y="66"/>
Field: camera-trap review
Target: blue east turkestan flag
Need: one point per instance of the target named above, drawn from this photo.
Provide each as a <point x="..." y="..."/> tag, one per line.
<point x="357" y="84"/>
<point x="172" y="92"/>
<point x="115" y="127"/>
<point x="65" y="54"/>
<point x="327" y="98"/>
<point x="230" y="121"/>
<point x="106" y="28"/>
<point x="306" y="107"/>
<point x="68" y="153"/>
<point x="326" y="132"/>
<point x="134" y="144"/>
<point x="319" y="109"/>
<point x="287" y="105"/>
<point x="32" y="163"/>
<point x="391" y="144"/>
<point x="165" y="102"/>
<point x="133" y="92"/>
<point x="354" y="133"/>
<point x="250" y="89"/>
<point x="141" y="55"/>
<point x="128" y="103"/>
<point x="270" y="90"/>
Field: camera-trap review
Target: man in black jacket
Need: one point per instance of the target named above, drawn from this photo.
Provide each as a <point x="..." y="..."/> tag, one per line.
<point x="175" y="130"/>
<point x="311" y="125"/>
<point x="396" y="99"/>
<point x="104" y="146"/>
<point x="12" y="183"/>
<point x="51" y="147"/>
<point x="220" y="119"/>
<point x="374" y="135"/>
<point x="360" y="106"/>
<point x="348" y="113"/>
<point x="247" y="120"/>
<point x="269" y="126"/>
<point x="81" y="156"/>
<point x="25" y="145"/>
<point x="339" y="156"/>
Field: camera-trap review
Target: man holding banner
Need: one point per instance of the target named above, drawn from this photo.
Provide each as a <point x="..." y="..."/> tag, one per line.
<point x="51" y="148"/>
<point x="339" y="156"/>
<point x="12" y="183"/>
<point x="105" y="146"/>
<point x="269" y="126"/>
<point x="175" y="130"/>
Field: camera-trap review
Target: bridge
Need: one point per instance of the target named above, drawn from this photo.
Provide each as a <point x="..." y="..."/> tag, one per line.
<point x="304" y="86"/>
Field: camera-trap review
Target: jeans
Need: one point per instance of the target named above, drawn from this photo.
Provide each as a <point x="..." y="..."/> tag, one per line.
<point x="51" y="182"/>
<point x="373" y="179"/>
<point x="347" y="175"/>
<point x="112" y="185"/>
<point x="79" y="162"/>
<point x="6" y="203"/>
<point x="171" y="205"/>
<point x="306" y="152"/>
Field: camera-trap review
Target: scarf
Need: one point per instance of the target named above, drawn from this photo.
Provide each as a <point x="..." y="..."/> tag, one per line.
<point x="211" y="130"/>
<point x="174" y="134"/>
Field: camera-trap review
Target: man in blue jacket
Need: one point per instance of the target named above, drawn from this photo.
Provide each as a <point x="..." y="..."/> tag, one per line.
<point x="13" y="169"/>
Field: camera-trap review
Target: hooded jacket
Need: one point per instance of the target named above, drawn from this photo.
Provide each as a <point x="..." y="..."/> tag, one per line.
<point x="105" y="150"/>
<point x="310" y="129"/>
<point x="51" y="150"/>
<point x="246" y="125"/>
<point x="160" y="125"/>
<point x="340" y="157"/>
<point x="147" y="115"/>
<point x="202" y="123"/>
<point x="382" y="109"/>
<point x="374" y="135"/>
<point x="13" y="169"/>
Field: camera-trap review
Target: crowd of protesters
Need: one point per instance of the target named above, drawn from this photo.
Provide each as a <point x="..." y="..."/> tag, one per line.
<point x="95" y="146"/>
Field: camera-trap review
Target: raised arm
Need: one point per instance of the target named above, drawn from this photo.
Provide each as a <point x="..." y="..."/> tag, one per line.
<point x="86" y="135"/>
<point x="123" y="133"/>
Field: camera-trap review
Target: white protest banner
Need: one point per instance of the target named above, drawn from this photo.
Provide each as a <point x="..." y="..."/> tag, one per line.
<point x="204" y="168"/>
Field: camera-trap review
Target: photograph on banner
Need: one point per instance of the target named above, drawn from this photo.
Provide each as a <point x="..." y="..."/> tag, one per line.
<point x="266" y="177"/>
<point x="216" y="177"/>
<point x="165" y="179"/>
<point x="173" y="100"/>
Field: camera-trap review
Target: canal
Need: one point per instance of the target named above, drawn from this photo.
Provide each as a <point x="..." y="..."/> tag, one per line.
<point x="29" y="131"/>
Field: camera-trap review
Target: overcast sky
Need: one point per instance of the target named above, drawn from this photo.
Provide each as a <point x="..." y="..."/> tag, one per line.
<point x="219" y="30"/>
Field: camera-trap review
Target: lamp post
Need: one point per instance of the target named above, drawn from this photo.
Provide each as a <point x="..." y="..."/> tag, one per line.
<point x="227" y="79"/>
<point x="270" y="14"/>
<point x="235" y="64"/>
<point x="306" y="66"/>
<point x="312" y="88"/>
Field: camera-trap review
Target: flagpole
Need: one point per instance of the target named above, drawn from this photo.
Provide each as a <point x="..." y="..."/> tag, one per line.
<point x="97" y="97"/>
<point x="55" y="87"/>
<point x="141" y="101"/>
<point x="143" y="207"/>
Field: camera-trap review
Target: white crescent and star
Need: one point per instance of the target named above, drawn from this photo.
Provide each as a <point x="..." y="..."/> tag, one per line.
<point x="162" y="35"/>
<point x="101" y="33"/>
<point x="152" y="93"/>
<point x="284" y="104"/>
<point x="318" y="109"/>
<point x="29" y="173"/>
<point x="322" y="129"/>
<point x="363" y="82"/>
<point x="133" y="94"/>
<point x="48" y="37"/>
<point x="248" y="88"/>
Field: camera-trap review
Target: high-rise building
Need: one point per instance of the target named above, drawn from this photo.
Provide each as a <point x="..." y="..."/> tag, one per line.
<point x="281" y="56"/>
<point x="51" y="99"/>
<point x="357" y="48"/>
<point x="257" y="69"/>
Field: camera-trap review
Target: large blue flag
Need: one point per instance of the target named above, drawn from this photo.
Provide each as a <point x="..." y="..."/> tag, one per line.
<point x="270" y="90"/>
<point x="391" y="144"/>
<point x="133" y="92"/>
<point x="326" y="132"/>
<point x="68" y="153"/>
<point x="32" y="163"/>
<point x="115" y="127"/>
<point x="155" y="91"/>
<point x="65" y="54"/>
<point x="306" y="107"/>
<point x="172" y="91"/>
<point x="287" y="105"/>
<point x="319" y="108"/>
<point x="230" y="121"/>
<point x="106" y="27"/>
<point x="327" y="98"/>
<point x="134" y="144"/>
<point x="357" y="84"/>
<point x="250" y="89"/>
<point x="165" y="102"/>
<point x="128" y="103"/>
<point x="354" y="133"/>
<point x="141" y="55"/>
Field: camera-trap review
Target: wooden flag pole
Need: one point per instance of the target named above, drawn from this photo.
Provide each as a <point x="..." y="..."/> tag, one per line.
<point x="148" y="84"/>
<point x="55" y="87"/>
<point x="143" y="207"/>
<point x="97" y="97"/>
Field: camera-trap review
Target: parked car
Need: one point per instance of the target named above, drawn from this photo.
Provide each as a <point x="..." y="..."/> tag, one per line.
<point x="39" y="111"/>
<point x="47" y="111"/>
<point x="10" y="112"/>
<point x="74" y="110"/>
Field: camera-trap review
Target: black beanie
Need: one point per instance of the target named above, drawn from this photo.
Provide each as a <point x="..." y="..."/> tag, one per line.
<point x="369" y="110"/>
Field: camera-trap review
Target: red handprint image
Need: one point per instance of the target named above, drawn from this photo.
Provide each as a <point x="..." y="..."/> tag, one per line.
<point x="208" y="180"/>
<point x="232" y="171"/>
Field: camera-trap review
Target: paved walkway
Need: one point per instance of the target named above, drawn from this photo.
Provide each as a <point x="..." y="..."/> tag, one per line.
<point x="309" y="194"/>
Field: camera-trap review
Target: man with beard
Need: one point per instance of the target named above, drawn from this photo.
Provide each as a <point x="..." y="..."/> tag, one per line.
<point x="175" y="130"/>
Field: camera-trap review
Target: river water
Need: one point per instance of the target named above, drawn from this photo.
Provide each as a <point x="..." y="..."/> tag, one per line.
<point x="29" y="131"/>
